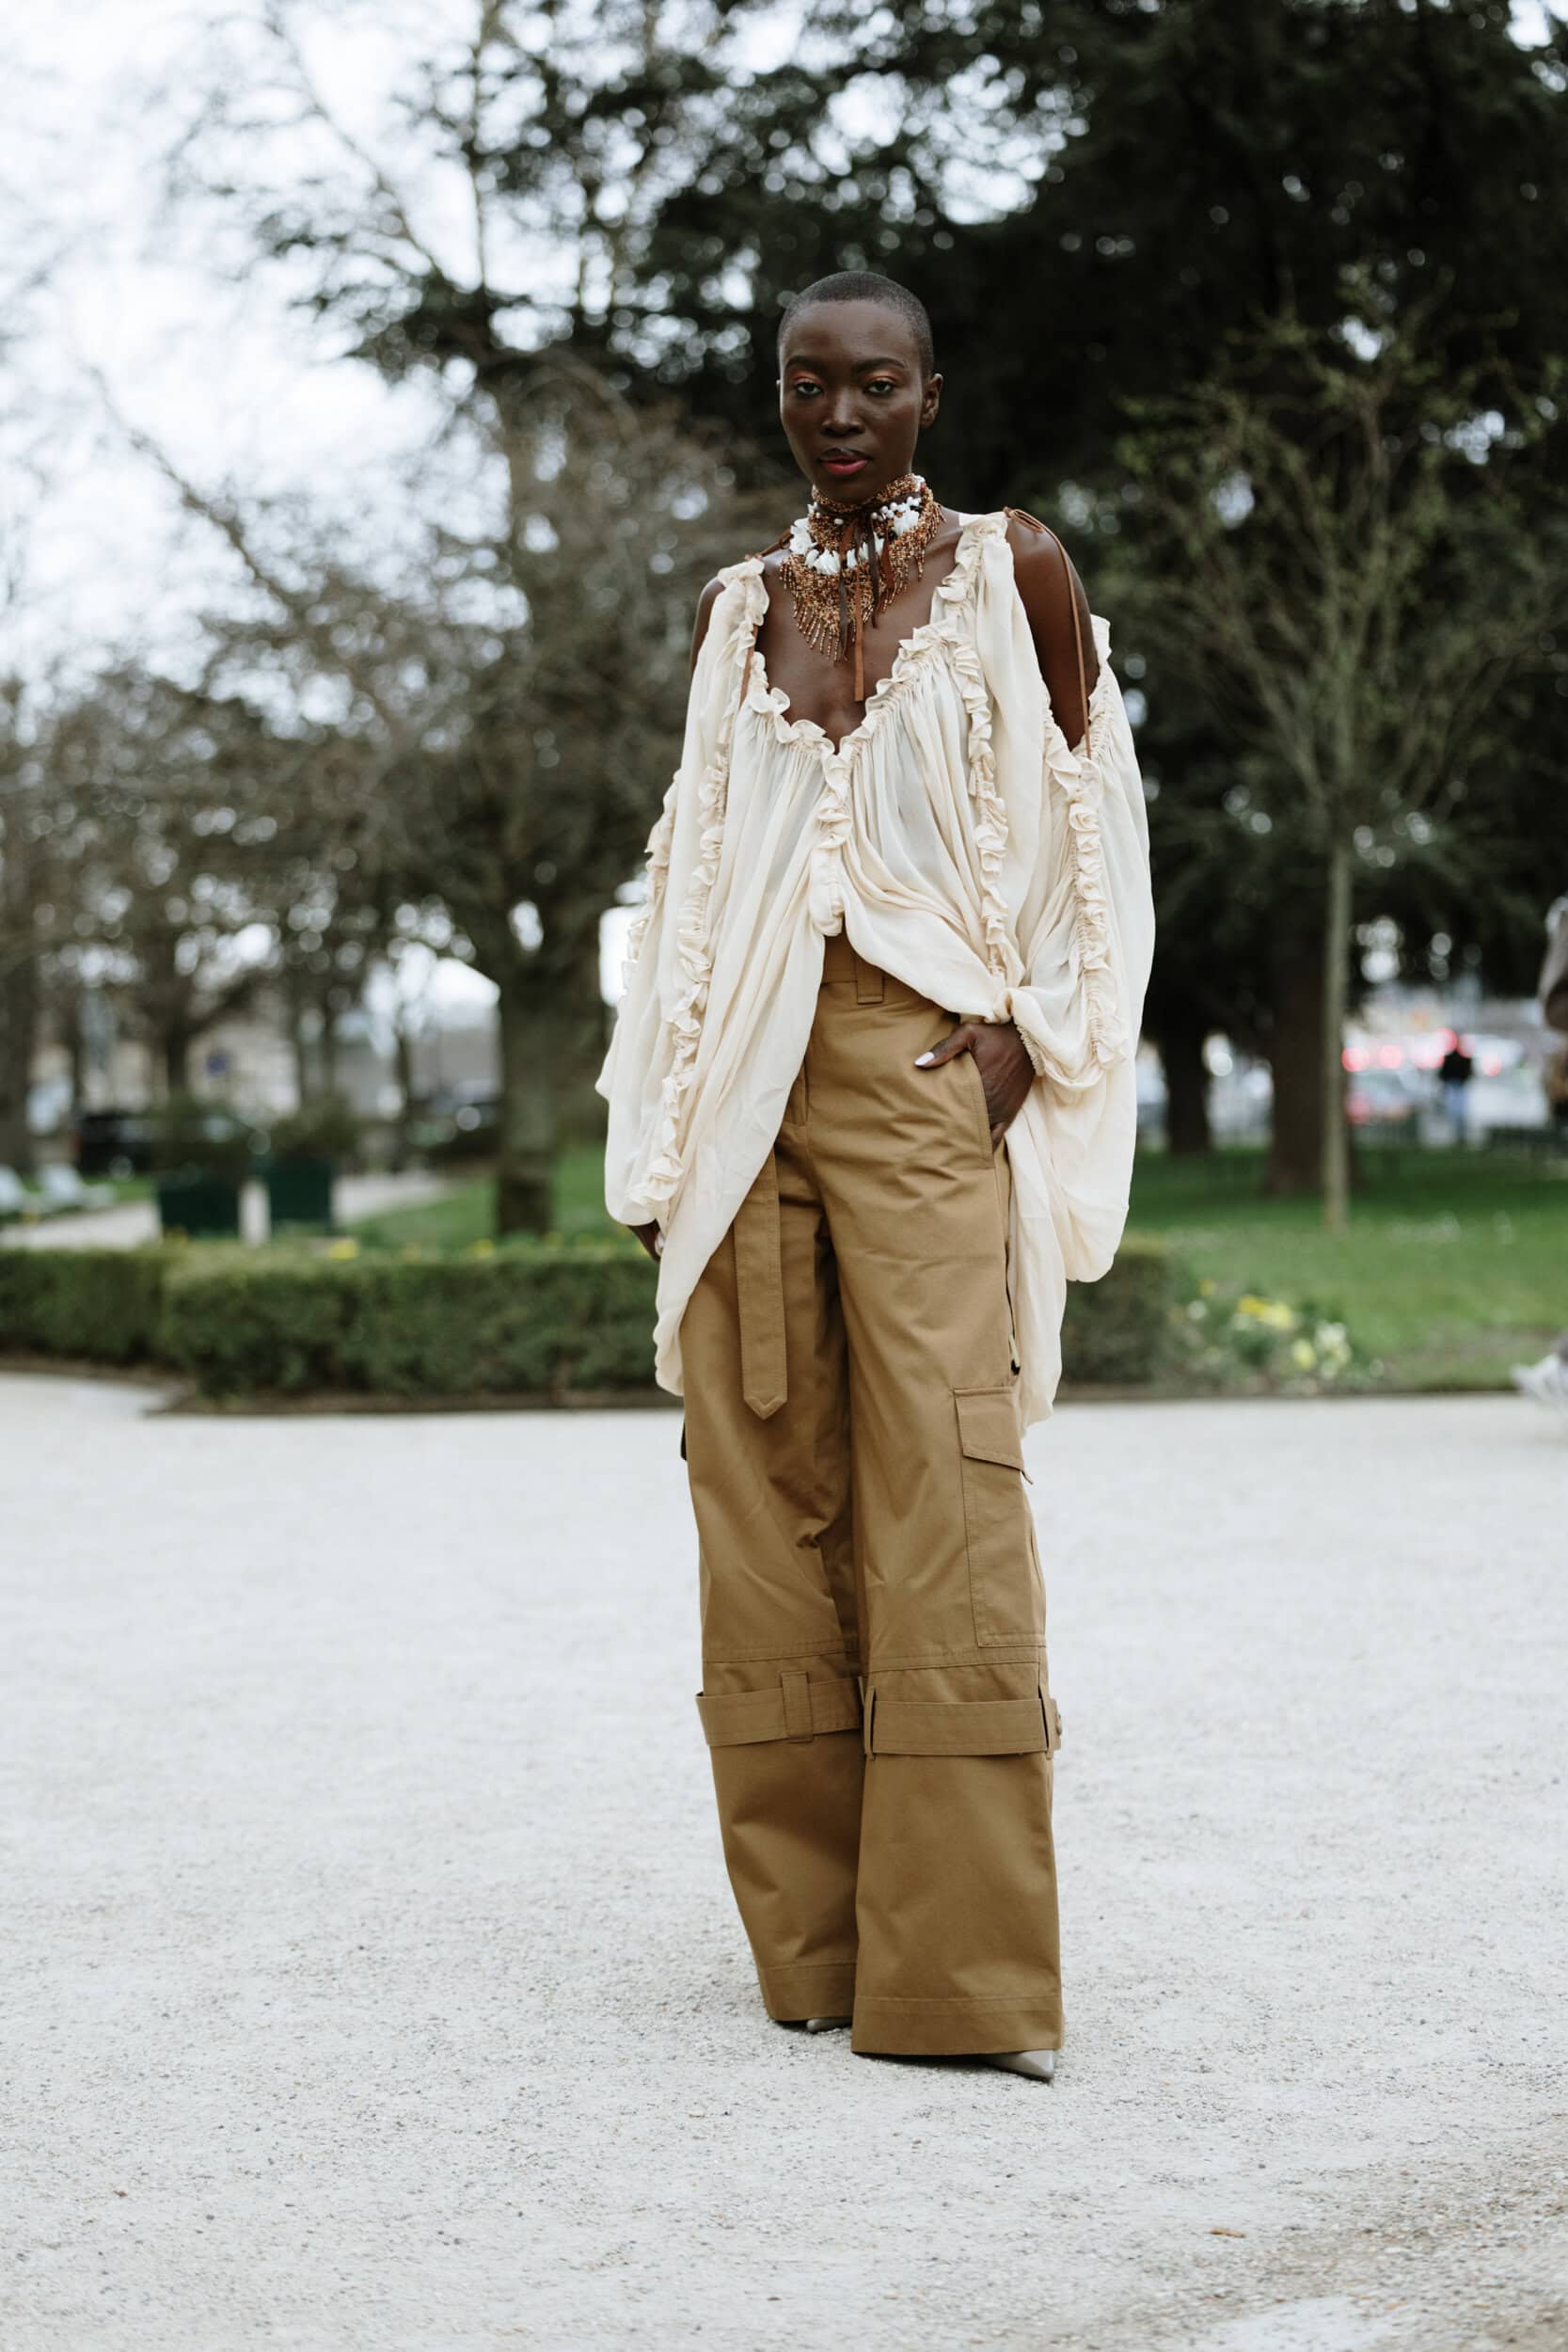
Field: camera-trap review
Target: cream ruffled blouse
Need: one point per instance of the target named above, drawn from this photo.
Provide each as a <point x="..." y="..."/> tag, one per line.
<point x="967" y="849"/>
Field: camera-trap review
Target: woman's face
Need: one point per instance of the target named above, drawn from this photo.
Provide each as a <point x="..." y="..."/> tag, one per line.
<point x="851" y="396"/>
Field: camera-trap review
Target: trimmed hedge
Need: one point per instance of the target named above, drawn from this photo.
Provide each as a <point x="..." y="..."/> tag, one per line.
<point x="519" y="1323"/>
<point x="526" y="1319"/>
<point x="102" y="1305"/>
<point x="1116" y="1331"/>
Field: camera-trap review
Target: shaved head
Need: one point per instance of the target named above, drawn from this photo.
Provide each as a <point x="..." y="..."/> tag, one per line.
<point x="865" y="285"/>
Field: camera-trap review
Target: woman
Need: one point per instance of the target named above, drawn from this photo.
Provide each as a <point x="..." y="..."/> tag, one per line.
<point x="871" y="1106"/>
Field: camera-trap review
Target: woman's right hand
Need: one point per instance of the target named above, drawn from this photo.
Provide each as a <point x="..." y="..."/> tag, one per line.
<point x="650" y="1237"/>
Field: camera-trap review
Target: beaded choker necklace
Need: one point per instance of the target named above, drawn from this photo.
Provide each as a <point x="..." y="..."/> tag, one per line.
<point x="844" y="562"/>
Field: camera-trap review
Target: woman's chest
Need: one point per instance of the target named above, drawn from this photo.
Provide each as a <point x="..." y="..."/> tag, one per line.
<point x="818" y="691"/>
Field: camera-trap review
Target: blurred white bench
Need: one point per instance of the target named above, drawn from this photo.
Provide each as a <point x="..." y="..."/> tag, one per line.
<point x="62" y="1187"/>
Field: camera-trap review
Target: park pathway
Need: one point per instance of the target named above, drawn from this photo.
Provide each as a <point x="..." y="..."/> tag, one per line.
<point x="371" y="1980"/>
<point x="131" y="1223"/>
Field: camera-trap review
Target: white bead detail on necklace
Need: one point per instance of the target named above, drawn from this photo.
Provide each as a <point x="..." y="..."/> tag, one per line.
<point x="892" y="521"/>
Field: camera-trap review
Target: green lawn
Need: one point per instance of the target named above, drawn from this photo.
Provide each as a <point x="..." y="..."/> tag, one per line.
<point x="468" y="1214"/>
<point x="1455" y="1266"/>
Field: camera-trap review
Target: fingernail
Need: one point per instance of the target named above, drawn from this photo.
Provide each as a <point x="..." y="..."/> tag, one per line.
<point x="921" y="1060"/>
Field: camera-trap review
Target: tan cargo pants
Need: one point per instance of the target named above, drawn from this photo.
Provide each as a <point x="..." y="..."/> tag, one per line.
<point x="875" y="1693"/>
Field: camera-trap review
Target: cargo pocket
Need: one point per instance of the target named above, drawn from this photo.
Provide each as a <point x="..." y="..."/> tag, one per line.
<point x="1006" y="1590"/>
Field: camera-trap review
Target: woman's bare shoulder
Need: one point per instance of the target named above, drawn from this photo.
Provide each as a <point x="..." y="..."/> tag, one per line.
<point x="1053" y="598"/>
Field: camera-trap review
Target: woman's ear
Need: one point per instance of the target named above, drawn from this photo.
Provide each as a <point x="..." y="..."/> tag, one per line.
<point x="930" y="401"/>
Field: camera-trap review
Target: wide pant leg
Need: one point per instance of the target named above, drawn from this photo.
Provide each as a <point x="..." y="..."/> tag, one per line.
<point x="867" y="1554"/>
<point x="780" y="1644"/>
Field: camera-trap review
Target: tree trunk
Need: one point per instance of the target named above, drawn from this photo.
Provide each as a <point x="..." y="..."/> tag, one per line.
<point x="75" y="1019"/>
<point x="578" y="1045"/>
<point x="299" y="1051"/>
<point x="19" y="1024"/>
<point x="525" y="1169"/>
<point x="175" y="1045"/>
<point x="1181" y="1042"/>
<point x="299" y="1054"/>
<point x="326" y="1048"/>
<point x="1336" y="956"/>
<point x="403" y="1068"/>
<point x="1296" y="1058"/>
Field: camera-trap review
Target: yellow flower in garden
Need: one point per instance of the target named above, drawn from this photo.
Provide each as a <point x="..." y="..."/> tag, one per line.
<point x="1279" y="1316"/>
<point x="1250" y="1304"/>
<point x="481" y="1249"/>
<point x="347" y="1247"/>
<point x="1302" y="1354"/>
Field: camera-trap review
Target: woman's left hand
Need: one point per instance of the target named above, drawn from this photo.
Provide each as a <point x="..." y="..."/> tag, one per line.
<point x="1003" y="1060"/>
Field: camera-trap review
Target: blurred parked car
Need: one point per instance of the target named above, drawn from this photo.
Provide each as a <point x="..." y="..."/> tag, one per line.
<point x="131" y="1143"/>
<point x="458" y="1124"/>
<point x="112" y="1143"/>
<point x="1385" y="1098"/>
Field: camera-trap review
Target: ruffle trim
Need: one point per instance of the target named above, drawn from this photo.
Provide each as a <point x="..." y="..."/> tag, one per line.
<point x="831" y="808"/>
<point x="693" y="938"/>
<point x="1077" y="778"/>
<point x="657" y="870"/>
<point x="990" y="826"/>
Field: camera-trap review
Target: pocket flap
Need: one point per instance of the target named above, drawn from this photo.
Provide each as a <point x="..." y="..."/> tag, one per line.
<point x="987" y="1425"/>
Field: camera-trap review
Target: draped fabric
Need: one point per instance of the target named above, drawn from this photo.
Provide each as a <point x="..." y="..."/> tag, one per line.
<point x="968" y="850"/>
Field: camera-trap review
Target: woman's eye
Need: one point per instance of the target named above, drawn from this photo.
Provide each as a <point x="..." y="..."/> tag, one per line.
<point x="804" y="388"/>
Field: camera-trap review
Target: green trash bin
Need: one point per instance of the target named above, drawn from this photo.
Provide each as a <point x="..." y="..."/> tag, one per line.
<point x="299" y="1192"/>
<point x="202" y="1206"/>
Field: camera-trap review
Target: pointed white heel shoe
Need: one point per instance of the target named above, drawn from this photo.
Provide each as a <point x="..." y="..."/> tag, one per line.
<point x="827" y="2024"/>
<point x="1040" y="2065"/>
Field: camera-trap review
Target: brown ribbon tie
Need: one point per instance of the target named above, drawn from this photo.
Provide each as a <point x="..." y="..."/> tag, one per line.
<point x="759" y="1294"/>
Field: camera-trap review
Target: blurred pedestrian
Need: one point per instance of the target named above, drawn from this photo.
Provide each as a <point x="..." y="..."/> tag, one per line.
<point x="872" y="1105"/>
<point x="1455" y="1071"/>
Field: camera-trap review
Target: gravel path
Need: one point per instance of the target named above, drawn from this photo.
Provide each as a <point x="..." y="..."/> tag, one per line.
<point x="371" y="1979"/>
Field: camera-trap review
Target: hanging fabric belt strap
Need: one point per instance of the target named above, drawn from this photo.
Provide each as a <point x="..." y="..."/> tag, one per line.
<point x="759" y="1294"/>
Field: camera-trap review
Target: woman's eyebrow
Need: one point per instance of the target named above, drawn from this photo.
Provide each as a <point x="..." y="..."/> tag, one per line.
<point x="860" y="367"/>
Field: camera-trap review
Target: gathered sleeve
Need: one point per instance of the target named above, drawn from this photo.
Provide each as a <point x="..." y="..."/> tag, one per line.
<point x="646" y="1075"/>
<point x="1077" y="883"/>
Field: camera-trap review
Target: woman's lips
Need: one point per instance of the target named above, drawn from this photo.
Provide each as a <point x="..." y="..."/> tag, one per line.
<point x="844" y="464"/>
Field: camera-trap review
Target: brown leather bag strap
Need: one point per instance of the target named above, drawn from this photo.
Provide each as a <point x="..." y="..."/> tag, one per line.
<point x="1018" y="513"/>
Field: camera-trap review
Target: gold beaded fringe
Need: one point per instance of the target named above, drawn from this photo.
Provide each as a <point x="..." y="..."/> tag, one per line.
<point x="833" y="608"/>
